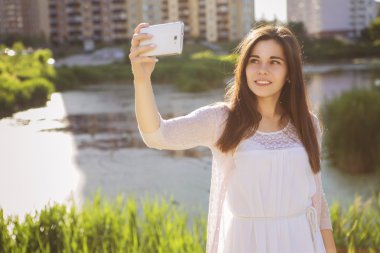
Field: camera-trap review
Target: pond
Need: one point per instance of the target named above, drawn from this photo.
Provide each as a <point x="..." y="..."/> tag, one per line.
<point x="87" y="139"/>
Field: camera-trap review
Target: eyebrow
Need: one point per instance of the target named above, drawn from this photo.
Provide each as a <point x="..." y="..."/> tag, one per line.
<point x="272" y="57"/>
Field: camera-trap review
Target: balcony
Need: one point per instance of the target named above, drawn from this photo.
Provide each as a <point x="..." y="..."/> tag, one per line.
<point x="119" y="19"/>
<point x="73" y="12"/>
<point x="120" y="26"/>
<point x="74" y="29"/>
<point x="120" y="31"/>
<point x="73" y="3"/>
<point x="53" y="16"/>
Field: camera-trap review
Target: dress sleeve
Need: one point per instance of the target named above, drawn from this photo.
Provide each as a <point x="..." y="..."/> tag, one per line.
<point x="325" y="220"/>
<point x="195" y="129"/>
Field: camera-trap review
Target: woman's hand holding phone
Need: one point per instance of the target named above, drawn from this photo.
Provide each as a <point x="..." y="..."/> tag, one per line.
<point x="142" y="66"/>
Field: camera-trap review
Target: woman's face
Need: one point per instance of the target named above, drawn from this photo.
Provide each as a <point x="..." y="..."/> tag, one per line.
<point x="266" y="70"/>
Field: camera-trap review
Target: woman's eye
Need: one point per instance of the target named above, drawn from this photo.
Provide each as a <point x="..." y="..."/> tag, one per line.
<point x="275" y="62"/>
<point x="253" y="61"/>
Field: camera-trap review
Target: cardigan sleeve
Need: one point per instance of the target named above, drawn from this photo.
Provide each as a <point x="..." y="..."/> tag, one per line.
<point x="325" y="212"/>
<point x="195" y="129"/>
<point x="325" y="220"/>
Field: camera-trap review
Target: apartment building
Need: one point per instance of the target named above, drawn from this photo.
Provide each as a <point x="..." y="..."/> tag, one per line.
<point x="79" y="21"/>
<point x="362" y="13"/>
<point x="326" y="18"/>
<point x="75" y="21"/>
<point x="212" y="20"/>
<point x="24" y="17"/>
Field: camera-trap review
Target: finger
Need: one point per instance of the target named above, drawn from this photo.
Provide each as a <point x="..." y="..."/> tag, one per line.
<point x="137" y="37"/>
<point x="139" y="26"/>
<point x="145" y="59"/>
<point x="139" y="50"/>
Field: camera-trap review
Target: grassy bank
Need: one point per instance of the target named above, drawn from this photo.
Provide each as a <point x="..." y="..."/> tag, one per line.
<point x="156" y="226"/>
<point x="193" y="73"/>
<point x="199" y="69"/>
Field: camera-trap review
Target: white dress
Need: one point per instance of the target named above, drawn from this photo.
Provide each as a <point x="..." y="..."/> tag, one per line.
<point x="268" y="207"/>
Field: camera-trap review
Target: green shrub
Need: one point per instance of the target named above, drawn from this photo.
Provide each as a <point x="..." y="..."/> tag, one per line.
<point x="39" y="89"/>
<point x="6" y="103"/>
<point x="77" y="76"/>
<point x="23" y="79"/>
<point x="65" y="79"/>
<point x="200" y="75"/>
<point x="352" y="136"/>
<point x="208" y="54"/>
<point x="168" y="69"/>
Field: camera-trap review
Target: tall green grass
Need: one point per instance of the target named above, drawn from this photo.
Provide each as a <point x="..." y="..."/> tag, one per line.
<point x="156" y="226"/>
<point x="351" y="134"/>
<point x="357" y="228"/>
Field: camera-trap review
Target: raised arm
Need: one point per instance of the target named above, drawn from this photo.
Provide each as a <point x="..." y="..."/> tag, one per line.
<point x="194" y="129"/>
<point x="147" y="114"/>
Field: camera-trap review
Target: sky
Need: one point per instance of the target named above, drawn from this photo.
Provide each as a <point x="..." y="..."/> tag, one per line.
<point x="270" y="9"/>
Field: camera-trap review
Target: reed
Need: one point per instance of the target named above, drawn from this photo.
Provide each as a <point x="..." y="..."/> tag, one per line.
<point x="156" y="225"/>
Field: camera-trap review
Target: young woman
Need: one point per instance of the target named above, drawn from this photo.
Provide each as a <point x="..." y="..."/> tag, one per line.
<point x="266" y="192"/>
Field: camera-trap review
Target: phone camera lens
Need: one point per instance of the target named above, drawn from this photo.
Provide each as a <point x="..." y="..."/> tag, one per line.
<point x="175" y="37"/>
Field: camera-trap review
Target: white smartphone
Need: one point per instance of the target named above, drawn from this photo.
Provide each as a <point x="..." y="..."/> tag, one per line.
<point x="167" y="37"/>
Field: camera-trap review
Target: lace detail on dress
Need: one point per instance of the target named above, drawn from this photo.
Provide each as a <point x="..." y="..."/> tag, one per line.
<point x="283" y="139"/>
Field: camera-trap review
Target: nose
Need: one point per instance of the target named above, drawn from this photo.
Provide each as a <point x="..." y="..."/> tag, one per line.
<point x="262" y="69"/>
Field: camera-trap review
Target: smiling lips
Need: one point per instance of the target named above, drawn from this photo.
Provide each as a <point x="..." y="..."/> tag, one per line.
<point x="262" y="82"/>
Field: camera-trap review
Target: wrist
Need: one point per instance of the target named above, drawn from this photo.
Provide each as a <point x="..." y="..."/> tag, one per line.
<point x="141" y="81"/>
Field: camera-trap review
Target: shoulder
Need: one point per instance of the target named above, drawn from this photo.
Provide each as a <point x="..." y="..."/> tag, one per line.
<point x="219" y="109"/>
<point x="222" y="110"/>
<point x="215" y="114"/>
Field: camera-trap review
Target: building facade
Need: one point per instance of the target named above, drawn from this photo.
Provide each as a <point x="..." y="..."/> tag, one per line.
<point x="24" y="17"/>
<point x="326" y="18"/>
<point x="114" y="20"/>
<point x="79" y="21"/>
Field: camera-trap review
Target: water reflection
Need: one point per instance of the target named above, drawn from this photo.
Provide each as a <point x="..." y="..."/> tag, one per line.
<point x="323" y="87"/>
<point x="88" y="139"/>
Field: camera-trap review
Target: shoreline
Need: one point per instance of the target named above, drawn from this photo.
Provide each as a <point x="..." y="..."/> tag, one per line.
<point x="358" y="64"/>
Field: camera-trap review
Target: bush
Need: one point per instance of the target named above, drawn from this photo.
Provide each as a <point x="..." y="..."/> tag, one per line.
<point x="24" y="79"/>
<point x="74" y="77"/>
<point x="352" y="136"/>
<point x="6" y="103"/>
<point x="200" y="75"/>
<point x="39" y="89"/>
<point x="166" y="72"/>
<point x="65" y="79"/>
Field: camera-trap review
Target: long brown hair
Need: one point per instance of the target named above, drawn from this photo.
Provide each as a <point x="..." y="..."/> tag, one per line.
<point x="243" y="117"/>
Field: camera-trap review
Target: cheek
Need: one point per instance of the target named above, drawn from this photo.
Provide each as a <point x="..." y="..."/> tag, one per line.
<point x="249" y="71"/>
<point x="281" y="73"/>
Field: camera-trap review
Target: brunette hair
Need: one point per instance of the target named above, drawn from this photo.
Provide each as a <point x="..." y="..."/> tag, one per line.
<point x="243" y="117"/>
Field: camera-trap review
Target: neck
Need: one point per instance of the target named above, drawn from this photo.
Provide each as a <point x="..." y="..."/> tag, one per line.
<point x="268" y="108"/>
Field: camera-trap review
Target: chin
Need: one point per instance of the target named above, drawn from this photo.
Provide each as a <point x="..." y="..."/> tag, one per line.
<point x="261" y="94"/>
